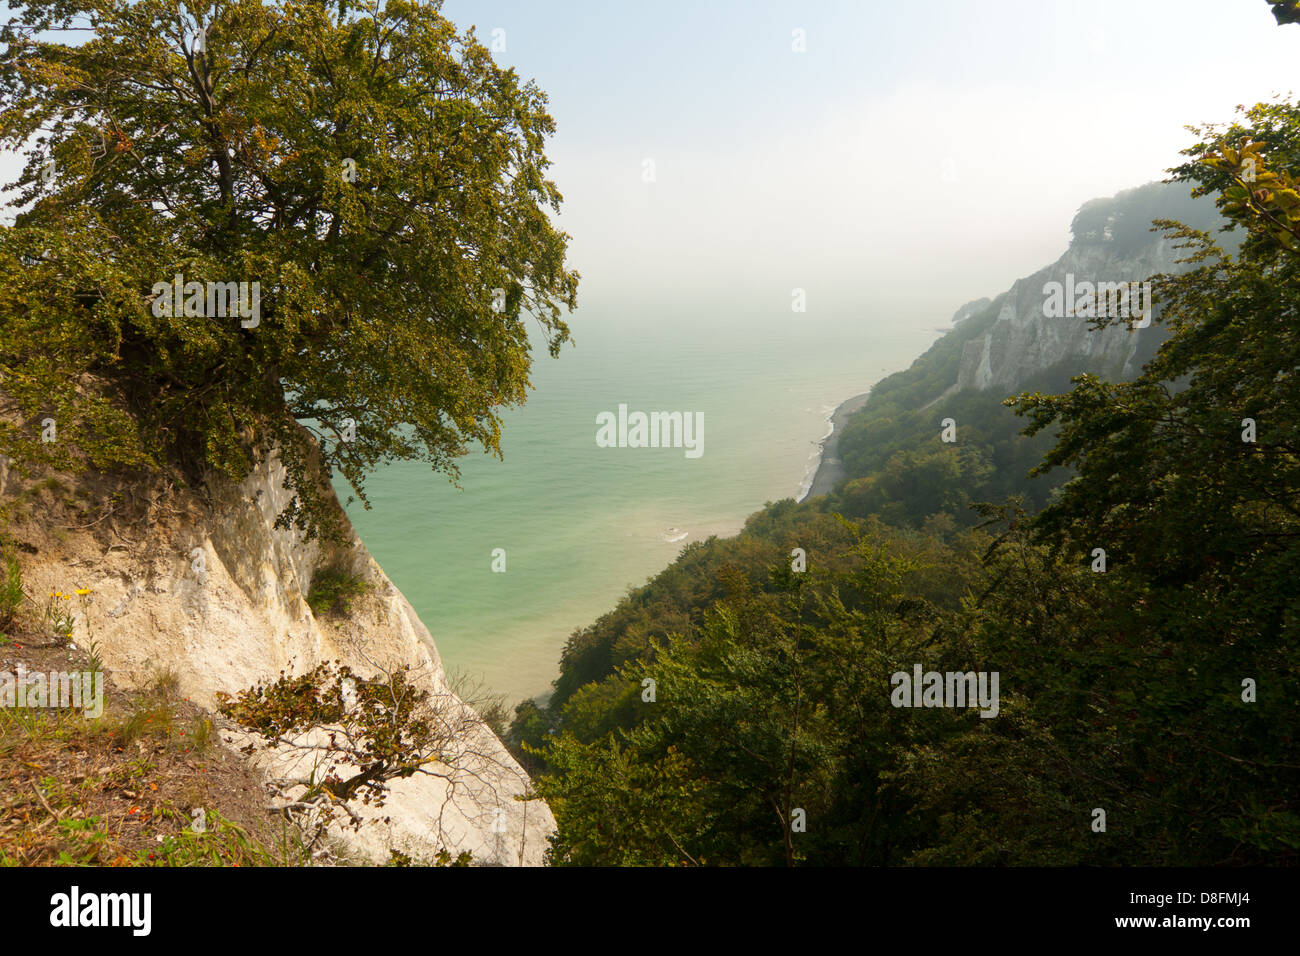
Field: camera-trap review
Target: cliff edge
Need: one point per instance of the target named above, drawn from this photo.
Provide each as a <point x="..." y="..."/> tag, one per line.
<point x="206" y="587"/>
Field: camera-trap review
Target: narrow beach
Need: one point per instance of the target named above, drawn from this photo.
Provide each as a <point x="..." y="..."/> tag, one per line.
<point x="830" y="470"/>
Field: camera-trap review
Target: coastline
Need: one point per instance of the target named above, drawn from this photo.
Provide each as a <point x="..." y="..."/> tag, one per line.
<point x="830" y="470"/>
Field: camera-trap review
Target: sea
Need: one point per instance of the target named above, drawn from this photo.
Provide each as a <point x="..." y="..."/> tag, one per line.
<point x="542" y="541"/>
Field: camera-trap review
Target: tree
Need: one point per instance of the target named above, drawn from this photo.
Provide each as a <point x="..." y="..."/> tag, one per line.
<point x="1286" y="11"/>
<point x="372" y="171"/>
<point x="346" y="737"/>
<point x="1092" y="220"/>
<point x="770" y="736"/>
<point x="1189" y="478"/>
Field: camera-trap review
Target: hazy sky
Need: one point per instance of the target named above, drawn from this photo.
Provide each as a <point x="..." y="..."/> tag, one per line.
<point x="824" y="169"/>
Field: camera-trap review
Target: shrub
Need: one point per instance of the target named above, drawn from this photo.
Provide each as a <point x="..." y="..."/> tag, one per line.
<point x="333" y="589"/>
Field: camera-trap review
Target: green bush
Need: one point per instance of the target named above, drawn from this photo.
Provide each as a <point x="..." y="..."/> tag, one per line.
<point x="333" y="589"/>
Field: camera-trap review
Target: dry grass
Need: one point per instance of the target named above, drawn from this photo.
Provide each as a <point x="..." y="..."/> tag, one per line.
<point x="141" y="785"/>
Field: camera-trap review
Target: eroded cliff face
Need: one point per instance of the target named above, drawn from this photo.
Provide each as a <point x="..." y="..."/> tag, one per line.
<point x="214" y="593"/>
<point x="1023" y="341"/>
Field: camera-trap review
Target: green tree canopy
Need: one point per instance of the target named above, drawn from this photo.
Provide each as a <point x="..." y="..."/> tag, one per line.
<point x="372" y="169"/>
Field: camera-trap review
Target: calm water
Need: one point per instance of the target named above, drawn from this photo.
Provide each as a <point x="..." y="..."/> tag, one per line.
<point x="580" y="524"/>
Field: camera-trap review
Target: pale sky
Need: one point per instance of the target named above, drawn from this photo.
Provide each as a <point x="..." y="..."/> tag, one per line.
<point x="824" y="169"/>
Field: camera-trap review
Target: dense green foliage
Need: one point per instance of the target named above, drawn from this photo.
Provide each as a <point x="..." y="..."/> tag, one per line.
<point x="1123" y="222"/>
<point x="736" y="710"/>
<point x="377" y="175"/>
<point x="333" y="590"/>
<point x="901" y="470"/>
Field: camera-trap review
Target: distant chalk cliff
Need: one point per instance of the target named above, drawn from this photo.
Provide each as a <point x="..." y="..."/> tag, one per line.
<point x="1017" y="337"/>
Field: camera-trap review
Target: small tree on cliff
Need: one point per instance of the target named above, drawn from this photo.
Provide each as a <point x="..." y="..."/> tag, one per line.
<point x="353" y="736"/>
<point x="372" y="170"/>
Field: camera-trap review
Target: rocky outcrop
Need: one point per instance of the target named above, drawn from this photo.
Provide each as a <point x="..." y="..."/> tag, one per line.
<point x="212" y="592"/>
<point x="1023" y="340"/>
<point x="1112" y="241"/>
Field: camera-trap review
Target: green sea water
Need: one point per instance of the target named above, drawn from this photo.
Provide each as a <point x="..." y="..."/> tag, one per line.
<point x="580" y="524"/>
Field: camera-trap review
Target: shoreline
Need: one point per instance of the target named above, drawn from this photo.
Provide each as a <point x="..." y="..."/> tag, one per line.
<point x="830" y="470"/>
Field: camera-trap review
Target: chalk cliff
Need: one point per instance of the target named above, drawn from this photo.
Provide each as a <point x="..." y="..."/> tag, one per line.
<point x="210" y="590"/>
<point x="1022" y="340"/>
<point x="1012" y="339"/>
